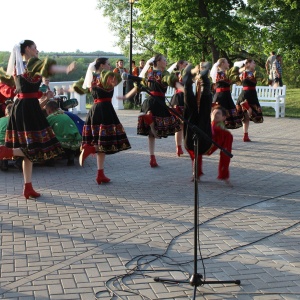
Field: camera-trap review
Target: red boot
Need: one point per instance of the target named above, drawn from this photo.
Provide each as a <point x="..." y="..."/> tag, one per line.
<point x="245" y="105"/>
<point x="148" y="118"/>
<point x="199" y="169"/>
<point x="153" y="162"/>
<point x="246" y="137"/>
<point x="29" y="192"/>
<point x="86" y="151"/>
<point x="6" y="153"/>
<point x="101" y="177"/>
<point x="179" y="150"/>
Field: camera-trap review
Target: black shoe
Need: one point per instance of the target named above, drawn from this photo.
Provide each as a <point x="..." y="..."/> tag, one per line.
<point x="50" y="162"/>
<point x="70" y="162"/>
<point x="4" y="165"/>
<point x="71" y="157"/>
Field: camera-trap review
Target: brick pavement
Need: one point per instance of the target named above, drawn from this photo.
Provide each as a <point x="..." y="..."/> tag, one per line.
<point x="80" y="238"/>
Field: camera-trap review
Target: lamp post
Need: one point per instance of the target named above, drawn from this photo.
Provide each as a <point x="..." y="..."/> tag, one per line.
<point x="131" y="2"/>
<point x="129" y="83"/>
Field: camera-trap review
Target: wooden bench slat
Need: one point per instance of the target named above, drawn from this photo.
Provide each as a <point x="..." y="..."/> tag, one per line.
<point x="267" y="96"/>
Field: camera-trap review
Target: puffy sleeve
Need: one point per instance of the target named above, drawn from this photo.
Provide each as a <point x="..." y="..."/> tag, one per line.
<point x="169" y="79"/>
<point x="104" y="78"/>
<point x="7" y="91"/>
<point x="37" y="66"/>
<point x="7" y="85"/>
<point x="234" y="75"/>
<point x="6" y="79"/>
<point x="77" y="86"/>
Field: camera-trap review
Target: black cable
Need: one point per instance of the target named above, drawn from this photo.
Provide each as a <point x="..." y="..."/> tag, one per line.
<point x="232" y="211"/>
<point x="136" y="269"/>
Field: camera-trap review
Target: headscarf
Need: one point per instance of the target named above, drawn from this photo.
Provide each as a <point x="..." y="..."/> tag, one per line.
<point x="171" y="69"/>
<point x="239" y="63"/>
<point x="15" y="61"/>
<point x="214" y="71"/>
<point x="147" y="65"/>
<point x="89" y="75"/>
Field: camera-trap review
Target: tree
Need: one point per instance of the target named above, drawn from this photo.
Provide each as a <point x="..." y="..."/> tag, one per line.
<point x="278" y="22"/>
<point x="198" y="30"/>
<point x="191" y="29"/>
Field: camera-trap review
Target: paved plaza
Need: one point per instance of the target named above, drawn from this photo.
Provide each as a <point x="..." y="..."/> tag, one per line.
<point x="81" y="240"/>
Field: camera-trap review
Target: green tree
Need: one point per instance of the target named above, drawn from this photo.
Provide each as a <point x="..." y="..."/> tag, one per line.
<point x="206" y="30"/>
<point x="191" y="29"/>
<point x="278" y="22"/>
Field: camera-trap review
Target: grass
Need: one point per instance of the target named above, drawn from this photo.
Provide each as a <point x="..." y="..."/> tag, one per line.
<point x="292" y="106"/>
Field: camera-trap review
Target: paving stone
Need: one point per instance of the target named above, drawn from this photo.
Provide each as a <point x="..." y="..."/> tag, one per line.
<point x="80" y="236"/>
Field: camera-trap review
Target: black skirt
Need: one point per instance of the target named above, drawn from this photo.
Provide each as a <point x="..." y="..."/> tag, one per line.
<point x="29" y="130"/>
<point x="233" y="118"/>
<point x="256" y="115"/>
<point x="102" y="128"/>
<point x="165" y="124"/>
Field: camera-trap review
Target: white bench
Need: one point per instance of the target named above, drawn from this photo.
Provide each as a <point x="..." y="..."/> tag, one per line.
<point x="267" y="96"/>
<point x="170" y="92"/>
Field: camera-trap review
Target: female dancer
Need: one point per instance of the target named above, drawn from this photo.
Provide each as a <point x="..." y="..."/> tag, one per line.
<point x="197" y="109"/>
<point x="28" y="133"/>
<point x="102" y="132"/>
<point x="155" y="120"/>
<point x="247" y="104"/>
<point x="222" y="77"/>
<point x="177" y="102"/>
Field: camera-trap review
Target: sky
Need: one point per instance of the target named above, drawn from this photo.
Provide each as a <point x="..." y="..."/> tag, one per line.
<point x="56" y="26"/>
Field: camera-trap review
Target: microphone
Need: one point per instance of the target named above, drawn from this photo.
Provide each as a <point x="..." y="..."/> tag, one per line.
<point x="126" y="76"/>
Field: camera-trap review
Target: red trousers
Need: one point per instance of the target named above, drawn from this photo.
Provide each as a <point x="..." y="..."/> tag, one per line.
<point x="223" y="138"/>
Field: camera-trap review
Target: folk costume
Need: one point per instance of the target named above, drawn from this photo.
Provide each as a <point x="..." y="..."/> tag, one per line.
<point x="3" y="127"/>
<point x="223" y="138"/>
<point x="102" y="131"/>
<point x="163" y="122"/>
<point x="248" y="97"/>
<point x="177" y="102"/>
<point x="27" y="127"/>
<point x="222" y="96"/>
<point x="102" y="127"/>
<point x="7" y="90"/>
<point x="66" y="132"/>
<point x="197" y="110"/>
<point x="77" y="120"/>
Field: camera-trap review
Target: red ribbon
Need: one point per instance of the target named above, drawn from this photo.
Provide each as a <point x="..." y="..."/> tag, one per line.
<point x="247" y="88"/>
<point x="102" y="100"/>
<point x="225" y="89"/>
<point x="158" y="94"/>
<point x="29" y="95"/>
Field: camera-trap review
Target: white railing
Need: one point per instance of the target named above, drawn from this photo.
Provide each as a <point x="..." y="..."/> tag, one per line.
<point x="81" y="107"/>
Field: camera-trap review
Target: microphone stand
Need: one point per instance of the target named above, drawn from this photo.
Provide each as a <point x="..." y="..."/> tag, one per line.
<point x="195" y="279"/>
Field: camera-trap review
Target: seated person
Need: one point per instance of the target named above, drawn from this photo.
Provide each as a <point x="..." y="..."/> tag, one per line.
<point x="77" y="120"/>
<point x="65" y="130"/>
<point x="3" y="126"/>
<point x="44" y="87"/>
<point x="46" y="93"/>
